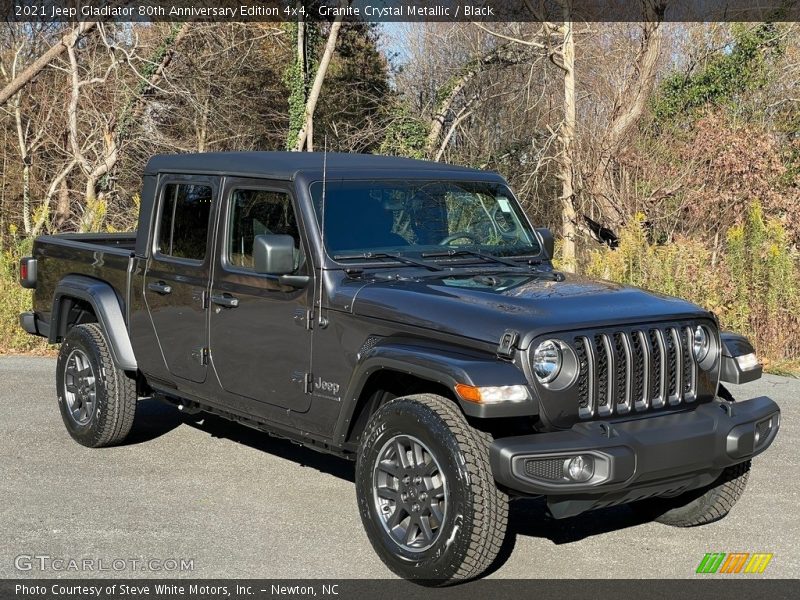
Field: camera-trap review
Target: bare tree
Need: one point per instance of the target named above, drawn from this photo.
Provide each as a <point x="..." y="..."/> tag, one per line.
<point x="305" y="135"/>
<point x="13" y="86"/>
<point x="503" y="55"/>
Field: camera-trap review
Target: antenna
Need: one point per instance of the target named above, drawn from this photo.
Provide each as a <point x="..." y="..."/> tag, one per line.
<point x="320" y="320"/>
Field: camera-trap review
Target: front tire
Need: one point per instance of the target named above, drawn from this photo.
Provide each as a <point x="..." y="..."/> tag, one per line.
<point x="426" y="494"/>
<point x="96" y="399"/>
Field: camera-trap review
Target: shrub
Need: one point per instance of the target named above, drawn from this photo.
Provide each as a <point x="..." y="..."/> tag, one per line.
<point x="14" y="299"/>
<point x="751" y="284"/>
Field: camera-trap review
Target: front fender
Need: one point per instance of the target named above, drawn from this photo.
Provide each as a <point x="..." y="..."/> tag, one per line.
<point x="739" y="364"/>
<point x="444" y="366"/>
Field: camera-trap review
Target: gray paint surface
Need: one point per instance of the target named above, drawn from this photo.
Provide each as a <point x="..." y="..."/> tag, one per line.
<point x="242" y="504"/>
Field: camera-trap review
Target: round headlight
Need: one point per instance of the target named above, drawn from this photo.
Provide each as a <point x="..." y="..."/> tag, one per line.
<point x="547" y="360"/>
<point x="701" y="343"/>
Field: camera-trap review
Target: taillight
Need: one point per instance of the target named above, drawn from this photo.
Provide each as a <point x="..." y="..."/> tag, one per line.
<point x="27" y="272"/>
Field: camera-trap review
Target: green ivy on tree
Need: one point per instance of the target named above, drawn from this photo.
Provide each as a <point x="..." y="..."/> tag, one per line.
<point x="740" y="67"/>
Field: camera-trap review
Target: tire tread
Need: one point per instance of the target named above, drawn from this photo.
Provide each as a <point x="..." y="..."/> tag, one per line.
<point x="115" y="424"/>
<point x="490" y="504"/>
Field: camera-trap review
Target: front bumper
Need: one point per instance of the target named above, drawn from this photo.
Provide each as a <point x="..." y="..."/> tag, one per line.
<point x="665" y="454"/>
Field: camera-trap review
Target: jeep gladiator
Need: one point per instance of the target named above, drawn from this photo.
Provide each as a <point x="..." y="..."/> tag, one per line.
<point x="406" y="315"/>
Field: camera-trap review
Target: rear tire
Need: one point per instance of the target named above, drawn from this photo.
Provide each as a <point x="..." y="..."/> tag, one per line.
<point x="96" y="399"/>
<point x="699" y="507"/>
<point x="426" y="494"/>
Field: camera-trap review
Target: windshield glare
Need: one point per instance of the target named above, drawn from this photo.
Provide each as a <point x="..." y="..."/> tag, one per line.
<point x="422" y="217"/>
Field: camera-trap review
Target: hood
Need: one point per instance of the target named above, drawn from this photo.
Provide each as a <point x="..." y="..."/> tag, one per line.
<point x="482" y="307"/>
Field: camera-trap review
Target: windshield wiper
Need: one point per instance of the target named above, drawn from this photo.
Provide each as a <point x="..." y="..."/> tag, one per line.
<point x="389" y="255"/>
<point x="463" y="252"/>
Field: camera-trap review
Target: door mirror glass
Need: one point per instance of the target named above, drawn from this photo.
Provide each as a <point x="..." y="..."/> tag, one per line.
<point x="273" y="254"/>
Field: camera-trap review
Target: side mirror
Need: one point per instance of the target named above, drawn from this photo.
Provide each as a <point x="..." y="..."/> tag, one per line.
<point x="273" y="254"/>
<point x="547" y="240"/>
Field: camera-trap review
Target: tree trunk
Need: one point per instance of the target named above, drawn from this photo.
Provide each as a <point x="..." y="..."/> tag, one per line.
<point x="630" y="106"/>
<point x="45" y="59"/>
<point x="62" y="206"/>
<point x="437" y="123"/>
<point x="567" y="162"/>
<point x="26" y="166"/>
<point x="316" y="88"/>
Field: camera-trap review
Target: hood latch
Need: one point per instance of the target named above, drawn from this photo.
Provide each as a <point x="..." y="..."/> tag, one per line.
<point x="508" y="344"/>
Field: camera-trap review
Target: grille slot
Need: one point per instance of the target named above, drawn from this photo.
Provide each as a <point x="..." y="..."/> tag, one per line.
<point x="635" y="370"/>
<point x="585" y="405"/>
<point x="689" y="382"/>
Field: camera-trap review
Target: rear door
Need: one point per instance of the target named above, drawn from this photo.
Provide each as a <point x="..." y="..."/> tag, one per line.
<point x="259" y="340"/>
<point x="178" y="272"/>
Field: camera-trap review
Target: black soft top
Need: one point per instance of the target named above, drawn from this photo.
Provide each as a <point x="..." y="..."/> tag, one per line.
<point x="286" y="165"/>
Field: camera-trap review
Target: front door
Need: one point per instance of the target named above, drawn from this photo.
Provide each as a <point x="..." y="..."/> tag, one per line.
<point x="259" y="341"/>
<point x="178" y="273"/>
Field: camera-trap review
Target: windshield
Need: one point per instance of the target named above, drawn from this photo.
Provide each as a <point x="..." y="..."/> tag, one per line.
<point x="424" y="217"/>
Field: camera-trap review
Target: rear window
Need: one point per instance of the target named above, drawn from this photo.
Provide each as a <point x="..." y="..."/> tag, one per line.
<point x="185" y="213"/>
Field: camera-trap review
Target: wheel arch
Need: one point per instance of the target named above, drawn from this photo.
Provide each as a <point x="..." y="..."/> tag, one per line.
<point x="76" y="300"/>
<point x="393" y="369"/>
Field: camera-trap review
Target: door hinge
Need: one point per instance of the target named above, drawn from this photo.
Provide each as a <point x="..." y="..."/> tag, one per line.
<point x="200" y="297"/>
<point x="309" y="383"/>
<point x="202" y="355"/>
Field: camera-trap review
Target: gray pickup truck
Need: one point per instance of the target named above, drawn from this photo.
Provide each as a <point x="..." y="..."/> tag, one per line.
<point x="406" y="315"/>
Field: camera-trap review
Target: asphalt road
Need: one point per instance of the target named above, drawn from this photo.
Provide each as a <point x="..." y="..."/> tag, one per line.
<point x="241" y="504"/>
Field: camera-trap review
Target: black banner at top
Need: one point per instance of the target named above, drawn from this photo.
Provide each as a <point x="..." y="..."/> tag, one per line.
<point x="399" y="10"/>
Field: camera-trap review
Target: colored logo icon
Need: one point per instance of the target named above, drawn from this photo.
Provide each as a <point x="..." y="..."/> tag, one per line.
<point x="734" y="562"/>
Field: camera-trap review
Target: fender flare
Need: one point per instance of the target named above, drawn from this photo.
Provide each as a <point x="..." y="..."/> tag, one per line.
<point x="734" y="347"/>
<point x="444" y="366"/>
<point x="103" y="299"/>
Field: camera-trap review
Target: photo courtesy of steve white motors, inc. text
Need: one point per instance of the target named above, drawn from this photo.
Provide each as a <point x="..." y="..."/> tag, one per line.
<point x="177" y="590"/>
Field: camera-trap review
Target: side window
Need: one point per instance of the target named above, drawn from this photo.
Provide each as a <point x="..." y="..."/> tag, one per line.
<point x="259" y="212"/>
<point x="185" y="212"/>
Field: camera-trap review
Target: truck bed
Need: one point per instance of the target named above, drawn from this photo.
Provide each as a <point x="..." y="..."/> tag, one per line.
<point x="121" y="241"/>
<point x="103" y="256"/>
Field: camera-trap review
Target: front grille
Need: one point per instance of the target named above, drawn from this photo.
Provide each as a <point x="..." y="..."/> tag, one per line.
<point x="636" y="369"/>
<point x="549" y="469"/>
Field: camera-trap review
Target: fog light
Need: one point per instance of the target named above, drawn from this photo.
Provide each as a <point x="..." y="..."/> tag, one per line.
<point x="580" y="468"/>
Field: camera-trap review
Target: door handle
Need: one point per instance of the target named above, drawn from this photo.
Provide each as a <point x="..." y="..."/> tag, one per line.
<point x="225" y="300"/>
<point x="159" y="287"/>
